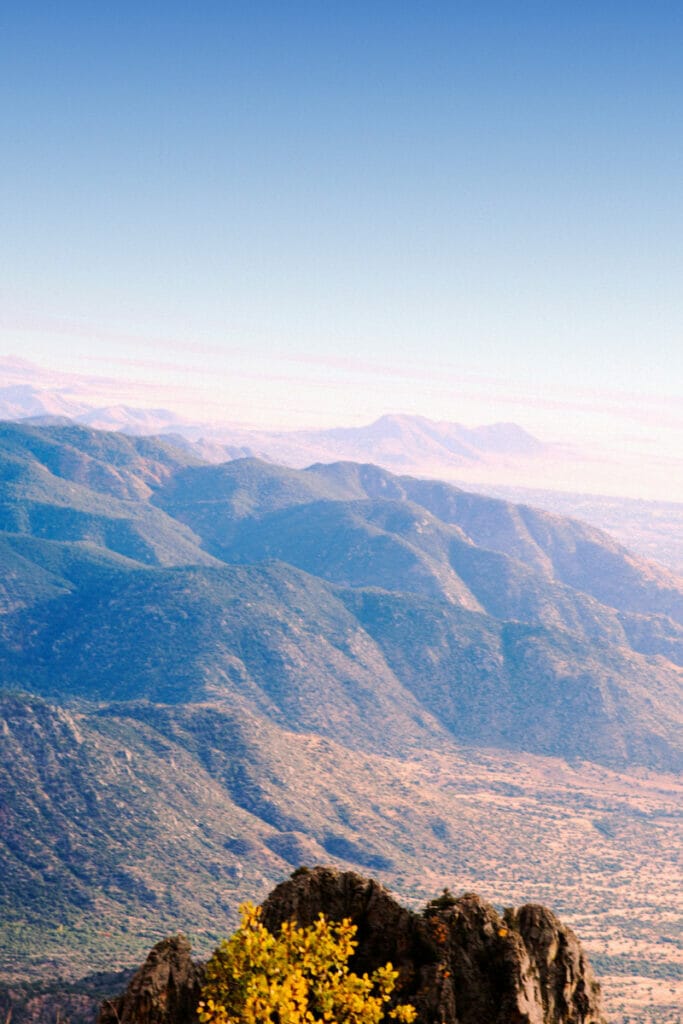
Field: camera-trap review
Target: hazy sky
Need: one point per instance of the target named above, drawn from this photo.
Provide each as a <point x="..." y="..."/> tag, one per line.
<point x="319" y="212"/>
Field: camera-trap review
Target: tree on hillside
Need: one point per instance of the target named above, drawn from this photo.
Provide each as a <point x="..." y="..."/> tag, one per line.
<point x="300" y="976"/>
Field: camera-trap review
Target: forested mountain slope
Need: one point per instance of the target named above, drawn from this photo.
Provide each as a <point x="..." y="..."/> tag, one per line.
<point x="340" y="599"/>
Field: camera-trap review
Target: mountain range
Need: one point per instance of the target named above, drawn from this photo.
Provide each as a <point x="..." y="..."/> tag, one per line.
<point x="248" y="579"/>
<point x="219" y="671"/>
<point x="628" y="492"/>
<point x="395" y="441"/>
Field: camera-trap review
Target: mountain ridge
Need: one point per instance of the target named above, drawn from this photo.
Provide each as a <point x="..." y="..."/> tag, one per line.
<point x="139" y="512"/>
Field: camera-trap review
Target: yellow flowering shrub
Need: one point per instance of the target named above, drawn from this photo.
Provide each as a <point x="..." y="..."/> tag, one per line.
<point x="300" y="976"/>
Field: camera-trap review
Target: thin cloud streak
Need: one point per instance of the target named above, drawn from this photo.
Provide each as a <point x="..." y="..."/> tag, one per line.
<point x="63" y="328"/>
<point x="224" y="361"/>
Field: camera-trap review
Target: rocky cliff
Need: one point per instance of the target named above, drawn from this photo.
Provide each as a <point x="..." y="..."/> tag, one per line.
<point x="165" y="990"/>
<point x="460" y="962"/>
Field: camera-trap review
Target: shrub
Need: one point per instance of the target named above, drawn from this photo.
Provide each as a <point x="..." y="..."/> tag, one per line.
<point x="300" y="976"/>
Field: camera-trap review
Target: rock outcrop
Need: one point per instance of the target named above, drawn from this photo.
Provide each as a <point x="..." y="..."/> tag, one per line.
<point x="459" y="962"/>
<point x="165" y="990"/>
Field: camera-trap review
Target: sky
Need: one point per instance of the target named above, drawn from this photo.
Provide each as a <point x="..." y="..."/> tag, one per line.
<point x="311" y="214"/>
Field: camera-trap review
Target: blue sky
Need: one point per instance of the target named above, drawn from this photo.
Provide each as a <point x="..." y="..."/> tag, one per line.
<point x="305" y="213"/>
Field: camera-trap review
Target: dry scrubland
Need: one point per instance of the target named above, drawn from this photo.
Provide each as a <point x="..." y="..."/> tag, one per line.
<point x="599" y="847"/>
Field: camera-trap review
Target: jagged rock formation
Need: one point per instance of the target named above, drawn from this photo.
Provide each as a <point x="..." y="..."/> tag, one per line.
<point x="459" y="962"/>
<point x="166" y="988"/>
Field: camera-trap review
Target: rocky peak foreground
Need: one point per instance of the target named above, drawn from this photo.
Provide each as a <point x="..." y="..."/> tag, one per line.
<point x="460" y="962"/>
<point x="165" y="989"/>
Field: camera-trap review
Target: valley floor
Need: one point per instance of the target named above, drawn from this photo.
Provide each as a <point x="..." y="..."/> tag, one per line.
<point x="601" y="848"/>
